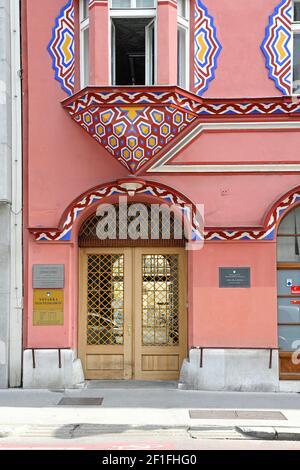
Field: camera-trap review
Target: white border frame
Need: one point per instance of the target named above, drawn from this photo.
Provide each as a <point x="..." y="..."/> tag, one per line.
<point x="132" y="13"/>
<point x="184" y="24"/>
<point x="161" y="166"/>
<point x="133" y="7"/>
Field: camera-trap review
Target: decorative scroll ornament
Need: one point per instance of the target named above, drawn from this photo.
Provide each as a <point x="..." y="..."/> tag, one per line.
<point x="61" y="48"/>
<point x="207" y="48"/>
<point x="277" y="46"/>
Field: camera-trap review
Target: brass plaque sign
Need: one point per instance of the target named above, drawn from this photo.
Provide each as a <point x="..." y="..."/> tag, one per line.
<point x="48" y="307"/>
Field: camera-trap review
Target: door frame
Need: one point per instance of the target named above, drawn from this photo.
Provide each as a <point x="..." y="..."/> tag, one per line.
<point x="139" y="348"/>
<point x="132" y="347"/>
<point x="126" y="348"/>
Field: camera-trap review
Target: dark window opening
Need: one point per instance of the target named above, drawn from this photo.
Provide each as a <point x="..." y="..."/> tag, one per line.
<point x="133" y="51"/>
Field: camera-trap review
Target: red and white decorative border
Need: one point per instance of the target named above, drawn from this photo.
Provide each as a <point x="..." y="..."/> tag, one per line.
<point x="174" y="96"/>
<point x="160" y="191"/>
<point x="173" y="197"/>
<point x="266" y="233"/>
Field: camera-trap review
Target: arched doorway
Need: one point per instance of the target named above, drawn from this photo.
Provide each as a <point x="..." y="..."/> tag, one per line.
<point x="288" y="283"/>
<point x="132" y="305"/>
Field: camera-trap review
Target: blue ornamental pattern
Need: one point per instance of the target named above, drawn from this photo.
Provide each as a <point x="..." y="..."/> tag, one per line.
<point x="61" y="48"/>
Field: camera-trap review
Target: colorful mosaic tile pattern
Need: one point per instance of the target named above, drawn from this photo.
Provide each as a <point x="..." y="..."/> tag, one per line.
<point x="207" y="48"/>
<point x="61" y="48"/>
<point x="162" y="192"/>
<point x="135" y="126"/>
<point x="277" y="46"/>
<point x="134" y="135"/>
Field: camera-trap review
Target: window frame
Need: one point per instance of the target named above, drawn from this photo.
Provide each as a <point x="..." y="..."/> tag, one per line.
<point x="84" y="24"/>
<point x="295" y="30"/>
<point x="132" y="7"/>
<point x="183" y="24"/>
<point x="132" y="13"/>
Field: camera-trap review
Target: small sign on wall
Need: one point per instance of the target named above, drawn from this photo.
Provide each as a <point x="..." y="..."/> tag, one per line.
<point x="234" y="277"/>
<point x="48" y="276"/>
<point x="48" y="307"/>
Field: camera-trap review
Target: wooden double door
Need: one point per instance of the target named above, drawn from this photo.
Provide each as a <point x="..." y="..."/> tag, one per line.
<point x="132" y="313"/>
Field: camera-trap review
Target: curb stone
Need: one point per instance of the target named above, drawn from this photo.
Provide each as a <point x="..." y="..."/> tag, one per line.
<point x="270" y="433"/>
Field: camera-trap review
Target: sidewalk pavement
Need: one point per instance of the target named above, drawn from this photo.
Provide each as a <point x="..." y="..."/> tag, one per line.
<point x="140" y="407"/>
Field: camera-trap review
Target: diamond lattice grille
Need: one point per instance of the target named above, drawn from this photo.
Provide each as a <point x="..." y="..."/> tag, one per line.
<point x="105" y="299"/>
<point x="167" y="229"/>
<point x="160" y="299"/>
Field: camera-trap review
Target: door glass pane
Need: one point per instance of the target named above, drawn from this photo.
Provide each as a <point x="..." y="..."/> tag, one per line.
<point x="296" y="61"/>
<point x="289" y="337"/>
<point x="160" y="300"/>
<point x="286" y="278"/>
<point x="289" y="310"/>
<point x="296" y="10"/>
<point x="105" y="299"/>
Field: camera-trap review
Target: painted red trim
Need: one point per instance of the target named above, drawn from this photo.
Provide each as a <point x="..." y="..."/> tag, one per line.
<point x="185" y="198"/>
<point x="99" y="187"/>
<point x="211" y="131"/>
<point x="181" y="91"/>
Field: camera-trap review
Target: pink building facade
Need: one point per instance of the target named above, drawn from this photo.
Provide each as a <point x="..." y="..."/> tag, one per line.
<point x="189" y="102"/>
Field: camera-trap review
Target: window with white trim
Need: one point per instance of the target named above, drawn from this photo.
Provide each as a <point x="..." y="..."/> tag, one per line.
<point x="127" y="4"/>
<point x="296" y="47"/>
<point x="183" y="43"/>
<point x="84" y="43"/>
<point x="133" y="42"/>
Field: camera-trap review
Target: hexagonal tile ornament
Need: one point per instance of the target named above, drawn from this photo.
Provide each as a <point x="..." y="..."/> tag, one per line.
<point x="132" y="126"/>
